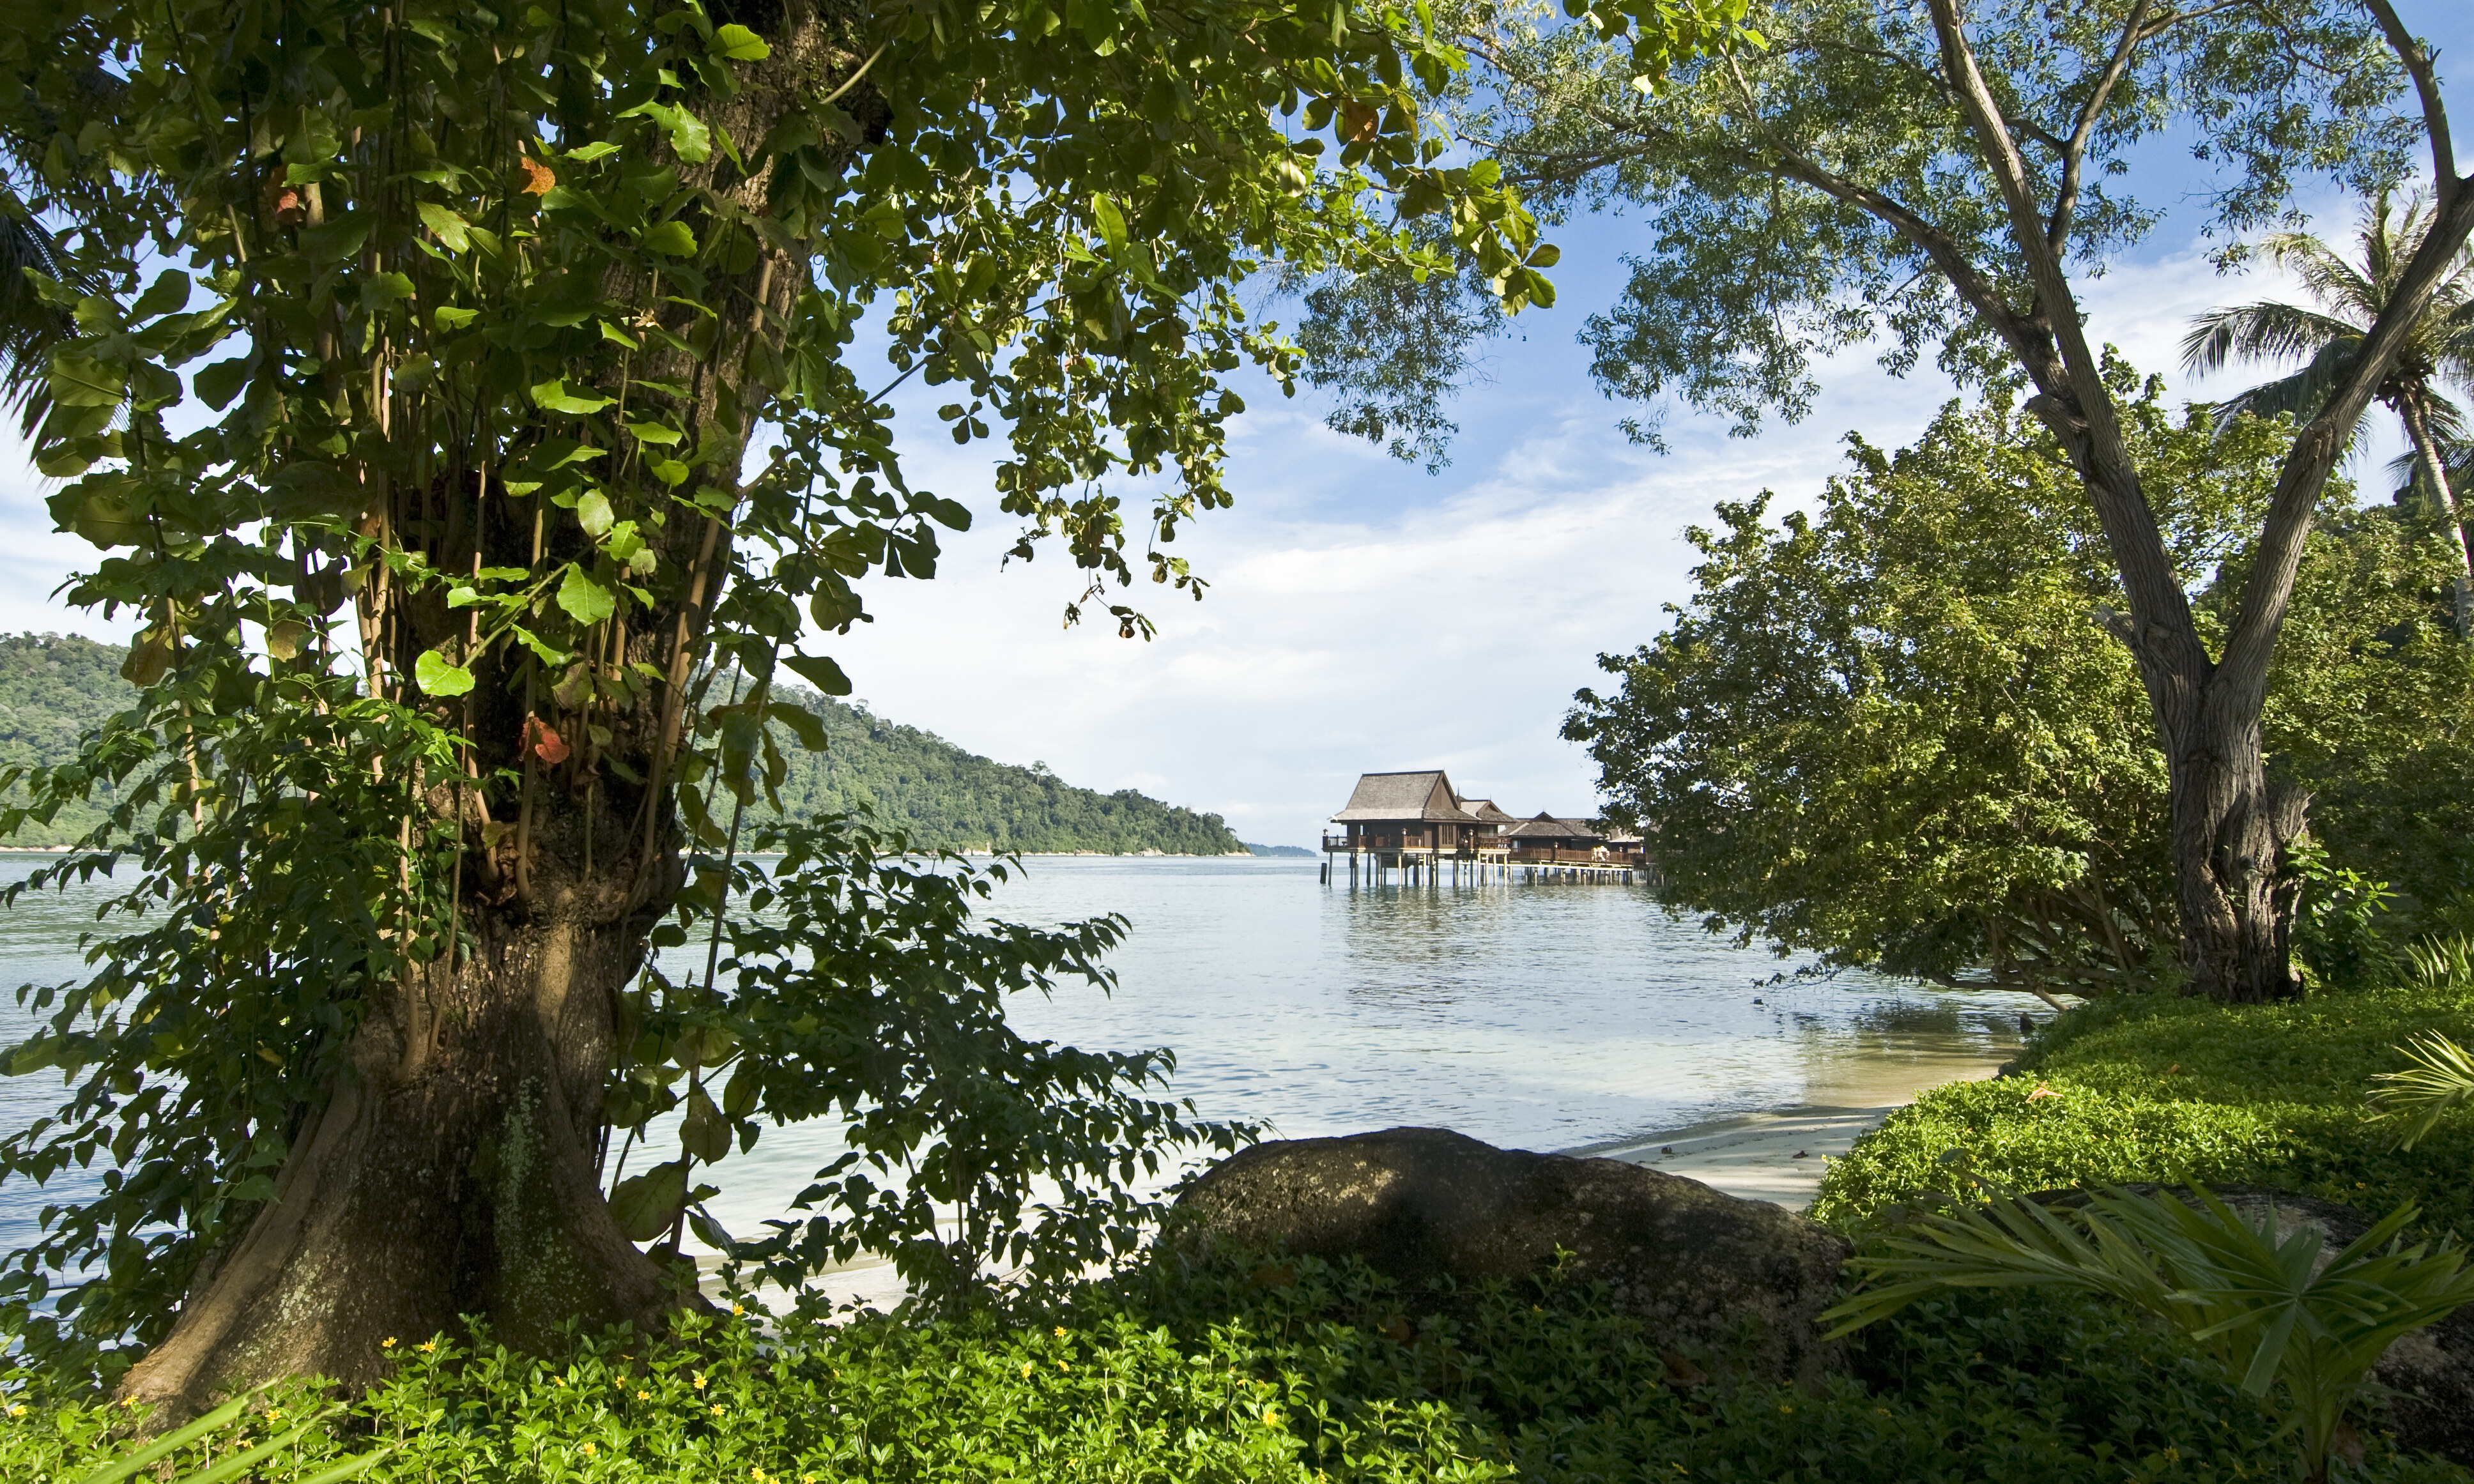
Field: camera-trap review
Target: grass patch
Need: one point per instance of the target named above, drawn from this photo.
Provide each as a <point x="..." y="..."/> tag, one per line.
<point x="2166" y="1089"/>
<point x="1213" y="1378"/>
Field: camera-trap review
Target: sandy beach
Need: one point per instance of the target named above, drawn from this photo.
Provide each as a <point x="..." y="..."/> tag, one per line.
<point x="1779" y="1155"/>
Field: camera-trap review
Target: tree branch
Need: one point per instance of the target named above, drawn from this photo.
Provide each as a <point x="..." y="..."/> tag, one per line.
<point x="2025" y="337"/>
<point x="2304" y="475"/>
<point x="2074" y="153"/>
<point x="2076" y="406"/>
<point x="2417" y="64"/>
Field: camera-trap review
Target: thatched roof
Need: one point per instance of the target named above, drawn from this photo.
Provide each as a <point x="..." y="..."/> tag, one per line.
<point x="1547" y="827"/>
<point x="1421" y="796"/>
<point x="1484" y="811"/>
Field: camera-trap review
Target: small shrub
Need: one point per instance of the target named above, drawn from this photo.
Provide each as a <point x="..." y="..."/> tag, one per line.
<point x="2168" y="1088"/>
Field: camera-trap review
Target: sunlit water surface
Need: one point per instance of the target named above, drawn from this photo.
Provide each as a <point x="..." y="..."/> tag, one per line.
<point x="1541" y="1016"/>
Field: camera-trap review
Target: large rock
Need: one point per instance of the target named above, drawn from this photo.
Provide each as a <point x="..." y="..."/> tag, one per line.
<point x="2429" y="1374"/>
<point x="1722" y="1282"/>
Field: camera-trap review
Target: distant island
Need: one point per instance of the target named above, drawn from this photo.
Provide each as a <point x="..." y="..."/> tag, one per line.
<point x="1299" y="852"/>
<point x="53" y="689"/>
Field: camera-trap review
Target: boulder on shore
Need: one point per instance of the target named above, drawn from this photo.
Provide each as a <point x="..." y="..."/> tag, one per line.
<point x="1734" y="1284"/>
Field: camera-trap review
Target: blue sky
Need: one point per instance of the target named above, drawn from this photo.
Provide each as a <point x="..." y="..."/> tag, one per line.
<point x="1365" y="616"/>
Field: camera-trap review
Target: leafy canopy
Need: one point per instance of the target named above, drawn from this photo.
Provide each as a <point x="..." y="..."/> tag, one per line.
<point x="1823" y="191"/>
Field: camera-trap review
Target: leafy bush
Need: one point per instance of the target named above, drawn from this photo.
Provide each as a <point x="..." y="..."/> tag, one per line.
<point x="2159" y="1087"/>
<point x="1243" y="1372"/>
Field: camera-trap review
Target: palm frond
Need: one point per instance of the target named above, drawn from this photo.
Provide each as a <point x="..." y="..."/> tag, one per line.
<point x="2263" y="1306"/>
<point x="2263" y="331"/>
<point x="29" y="326"/>
<point x="2325" y="273"/>
<point x="2440" y="1076"/>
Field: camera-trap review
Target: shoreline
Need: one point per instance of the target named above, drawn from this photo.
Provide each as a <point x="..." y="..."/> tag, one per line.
<point x="1779" y="1155"/>
<point x="1775" y="1155"/>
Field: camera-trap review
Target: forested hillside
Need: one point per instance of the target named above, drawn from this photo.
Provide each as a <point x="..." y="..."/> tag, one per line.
<point x="53" y="689"/>
<point x="944" y="797"/>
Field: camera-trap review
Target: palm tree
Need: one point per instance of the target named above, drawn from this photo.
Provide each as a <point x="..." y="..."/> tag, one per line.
<point x="2326" y="338"/>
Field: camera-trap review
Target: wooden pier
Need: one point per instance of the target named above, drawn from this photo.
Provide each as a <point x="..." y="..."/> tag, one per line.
<point x="1414" y="830"/>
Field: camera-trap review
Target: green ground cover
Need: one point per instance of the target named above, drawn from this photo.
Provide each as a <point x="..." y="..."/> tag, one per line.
<point x="2160" y="1087"/>
<point x="1221" y="1376"/>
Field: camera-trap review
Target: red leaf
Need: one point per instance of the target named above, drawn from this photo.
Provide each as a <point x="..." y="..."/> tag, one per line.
<point x="542" y="741"/>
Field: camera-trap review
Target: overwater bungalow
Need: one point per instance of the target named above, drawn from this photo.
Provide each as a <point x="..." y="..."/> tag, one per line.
<point x="1415" y="823"/>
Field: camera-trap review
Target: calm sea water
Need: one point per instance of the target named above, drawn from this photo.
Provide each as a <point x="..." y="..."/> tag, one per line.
<point x="1531" y="1015"/>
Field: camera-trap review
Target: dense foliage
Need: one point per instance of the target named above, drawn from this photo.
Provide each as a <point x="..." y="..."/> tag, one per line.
<point x="1298" y="1374"/>
<point x="2159" y="1087"/>
<point x="1888" y="731"/>
<point x="55" y="691"/>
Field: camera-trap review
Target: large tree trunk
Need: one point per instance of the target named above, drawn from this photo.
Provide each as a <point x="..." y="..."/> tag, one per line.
<point x="453" y="1169"/>
<point x="2231" y="833"/>
<point x="450" y="1173"/>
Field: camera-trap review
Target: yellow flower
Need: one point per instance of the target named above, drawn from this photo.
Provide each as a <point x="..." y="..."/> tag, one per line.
<point x="699" y="1380"/>
<point x="643" y="1396"/>
<point x="560" y="1379"/>
<point x="387" y="1344"/>
<point x="2173" y="1455"/>
<point x="716" y="1409"/>
<point x="1026" y="1368"/>
<point x="737" y="1309"/>
<point x="272" y="1413"/>
<point x="17" y="1410"/>
<point x="427" y="1346"/>
<point x="1062" y="1366"/>
<point x="588" y="1451"/>
<point x="1270" y="1416"/>
<point x="1060" y="1332"/>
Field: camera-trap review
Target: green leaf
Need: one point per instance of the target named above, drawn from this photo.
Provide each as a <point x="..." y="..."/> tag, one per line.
<point x="819" y="672"/>
<point x="437" y="676"/>
<point x="558" y="397"/>
<point x="654" y="433"/>
<point x="217" y="384"/>
<point x="80" y="380"/>
<point x="335" y="241"/>
<point x="802" y="725"/>
<point x="170" y="291"/>
<point x="671" y="238"/>
<point x="735" y="42"/>
<point x="1112" y="221"/>
<point x="585" y="600"/>
<point x="446" y="226"/>
<point x="704" y="1133"/>
<point x="593" y="513"/>
<point x="587" y="154"/>
<point x="645" y="1206"/>
<point x="216" y="1421"/>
